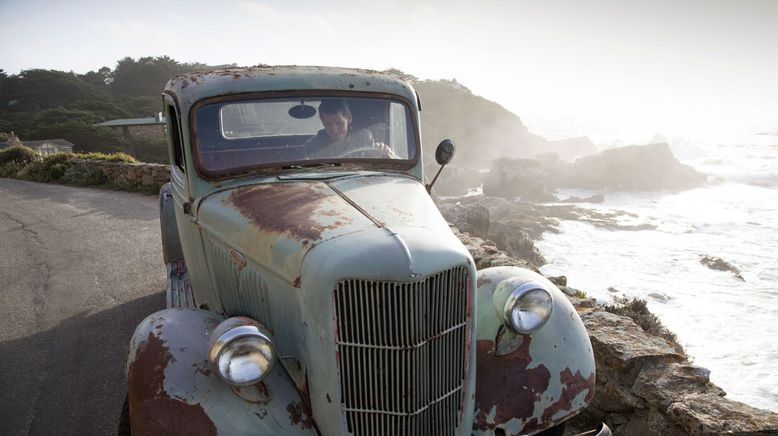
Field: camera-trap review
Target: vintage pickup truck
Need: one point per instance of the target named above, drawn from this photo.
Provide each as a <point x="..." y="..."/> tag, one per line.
<point x="314" y="288"/>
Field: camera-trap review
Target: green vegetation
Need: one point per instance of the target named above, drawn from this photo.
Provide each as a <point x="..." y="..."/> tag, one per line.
<point x="66" y="168"/>
<point x="18" y="155"/>
<point x="637" y="309"/>
<point x="111" y="157"/>
<point x="48" y="104"/>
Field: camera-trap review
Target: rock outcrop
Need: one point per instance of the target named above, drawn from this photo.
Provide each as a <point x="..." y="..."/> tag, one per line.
<point x="525" y="178"/>
<point x="719" y="264"/>
<point x="454" y="180"/>
<point x="633" y="168"/>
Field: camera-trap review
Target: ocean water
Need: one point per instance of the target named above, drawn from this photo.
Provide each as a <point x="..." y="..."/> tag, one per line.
<point x="725" y="324"/>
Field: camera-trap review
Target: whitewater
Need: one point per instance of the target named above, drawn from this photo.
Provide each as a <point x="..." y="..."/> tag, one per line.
<point x="725" y="324"/>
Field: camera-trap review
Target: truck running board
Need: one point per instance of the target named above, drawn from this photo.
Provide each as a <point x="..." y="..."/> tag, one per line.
<point x="179" y="288"/>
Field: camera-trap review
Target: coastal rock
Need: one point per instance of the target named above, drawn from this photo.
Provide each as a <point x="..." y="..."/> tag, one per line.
<point x="707" y="414"/>
<point x="486" y="254"/>
<point x="517" y="243"/>
<point x="595" y="198"/>
<point x="498" y="207"/>
<point x="455" y="180"/>
<point x="647" y="422"/>
<point x="632" y="168"/>
<point x="621" y="348"/>
<point x="664" y="384"/>
<point x="473" y="219"/>
<point x="571" y="148"/>
<point x="526" y="178"/>
<point x="619" y="340"/>
<point x="719" y="264"/>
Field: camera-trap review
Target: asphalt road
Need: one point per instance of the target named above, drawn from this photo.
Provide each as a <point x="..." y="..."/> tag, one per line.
<point x="79" y="269"/>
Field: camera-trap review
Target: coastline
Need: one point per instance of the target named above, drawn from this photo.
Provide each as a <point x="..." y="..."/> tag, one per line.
<point x="646" y="384"/>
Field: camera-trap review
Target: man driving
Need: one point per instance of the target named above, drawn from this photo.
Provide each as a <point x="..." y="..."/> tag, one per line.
<point x="337" y="139"/>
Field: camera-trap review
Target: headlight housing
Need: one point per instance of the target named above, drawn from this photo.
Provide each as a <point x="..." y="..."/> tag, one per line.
<point x="241" y="351"/>
<point x="528" y="307"/>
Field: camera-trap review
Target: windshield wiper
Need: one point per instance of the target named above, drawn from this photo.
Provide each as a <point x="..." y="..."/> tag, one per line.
<point x="310" y="165"/>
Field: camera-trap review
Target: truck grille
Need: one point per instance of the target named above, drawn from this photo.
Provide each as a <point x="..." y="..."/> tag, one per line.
<point x="402" y="350"/>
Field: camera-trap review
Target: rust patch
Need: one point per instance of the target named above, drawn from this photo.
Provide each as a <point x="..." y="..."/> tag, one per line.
<point x="572" y="385"/>
<point x="148" y="370"/>
<point x="506" y="382"/>
<point x="151" y="410"/>
<point x="238" y="260"/>
<point x="296" y="282"/>
<point x="256" y="394"/>
<point x="299" y="415"/>
<point x="169" y="416"/>
<point x="289" y="208"/>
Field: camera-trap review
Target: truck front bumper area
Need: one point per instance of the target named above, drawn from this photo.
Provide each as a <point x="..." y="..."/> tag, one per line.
<point x="172" y="389"/>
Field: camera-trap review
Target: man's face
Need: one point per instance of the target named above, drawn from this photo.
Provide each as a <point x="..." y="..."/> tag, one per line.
<point x="336" y="125"/>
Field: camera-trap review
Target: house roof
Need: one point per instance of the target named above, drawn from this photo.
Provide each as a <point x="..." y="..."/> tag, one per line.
<point x="151" y="121"/>
<point x="60" y="142"/>
<point x="33" y="144"/>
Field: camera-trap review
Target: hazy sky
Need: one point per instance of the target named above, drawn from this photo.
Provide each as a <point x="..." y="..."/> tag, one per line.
<point x="641" y="66"/>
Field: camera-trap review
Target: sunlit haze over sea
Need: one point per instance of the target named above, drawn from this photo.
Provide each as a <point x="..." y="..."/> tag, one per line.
<point x="725" y="324"/>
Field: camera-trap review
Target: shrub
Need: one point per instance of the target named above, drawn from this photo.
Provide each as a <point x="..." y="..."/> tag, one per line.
<point x="57" y="171"/>
<point x="637" y="309"/>
<point x="83" y="176"/>
<point x="108" y="157"/>
<point x="10" y="169"/>
<point x="49" y="169"/>
<point x="18" y="154"/>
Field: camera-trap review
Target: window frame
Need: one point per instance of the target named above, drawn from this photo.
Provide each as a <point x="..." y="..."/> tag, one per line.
<point x="360" y="163"/>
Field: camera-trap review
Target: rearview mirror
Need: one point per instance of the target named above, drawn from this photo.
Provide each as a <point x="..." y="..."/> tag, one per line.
<point x="302" y="111"/>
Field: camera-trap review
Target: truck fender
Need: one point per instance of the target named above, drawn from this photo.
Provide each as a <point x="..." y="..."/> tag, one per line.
<point x="173" y="390"/>
<point x="526" y="383"/>
<point x="171" y="242"/>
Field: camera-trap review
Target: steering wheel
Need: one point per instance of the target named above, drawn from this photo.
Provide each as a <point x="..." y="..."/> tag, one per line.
<point x="369" y="151"/>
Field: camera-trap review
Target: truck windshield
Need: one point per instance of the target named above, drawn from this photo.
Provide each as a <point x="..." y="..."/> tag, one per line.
<point x="240" y="135"/>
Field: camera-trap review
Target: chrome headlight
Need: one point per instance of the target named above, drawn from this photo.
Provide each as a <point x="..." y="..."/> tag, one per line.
<point x="241" y="351"/>
<point x="528" y="307"/>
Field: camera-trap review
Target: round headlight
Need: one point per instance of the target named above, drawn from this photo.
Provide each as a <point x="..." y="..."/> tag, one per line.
<point x="241" y="352"/>
<point x="528" y="307"/>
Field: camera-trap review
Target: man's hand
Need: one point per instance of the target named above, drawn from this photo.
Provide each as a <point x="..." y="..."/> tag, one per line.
<point x="386" y="150"/>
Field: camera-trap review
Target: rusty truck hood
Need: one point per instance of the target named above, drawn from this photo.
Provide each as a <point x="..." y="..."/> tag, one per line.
<point x="276" y="224"/>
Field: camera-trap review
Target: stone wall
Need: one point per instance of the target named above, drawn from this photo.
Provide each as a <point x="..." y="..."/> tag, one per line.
<point x="645" y="386"/>
<point x="154" y="132"/>
<point x="121" y="173"/>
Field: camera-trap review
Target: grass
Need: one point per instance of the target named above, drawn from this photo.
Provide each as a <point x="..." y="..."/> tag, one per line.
<point x="108" y="157"/>
<point x="637" y="310"/>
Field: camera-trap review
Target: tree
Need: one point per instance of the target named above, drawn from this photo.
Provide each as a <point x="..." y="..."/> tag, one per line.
<point x="145" y="77"/>
<point x="36" y="90"/>
<point x="100" y="78"/>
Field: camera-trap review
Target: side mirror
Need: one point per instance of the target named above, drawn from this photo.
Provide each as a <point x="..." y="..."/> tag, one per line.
<point x="445" y="152"/>
<point x="443" y="155"/>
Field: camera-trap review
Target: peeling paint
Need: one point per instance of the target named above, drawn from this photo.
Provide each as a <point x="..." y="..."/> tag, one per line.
<point x="161" y="414"/>
<point x="298" y="414"/>
<point x="572" y="385"/>
<point x="290" y="208"/>
<point x="506" y="384"/>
